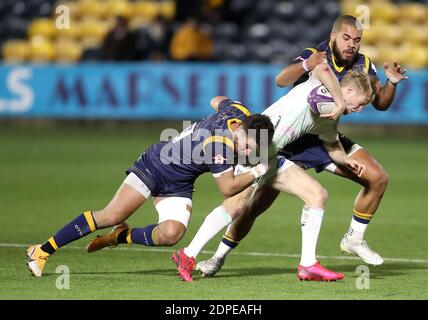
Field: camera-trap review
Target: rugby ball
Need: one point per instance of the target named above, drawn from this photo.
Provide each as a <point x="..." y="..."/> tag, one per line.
<point x="320" y="100"/>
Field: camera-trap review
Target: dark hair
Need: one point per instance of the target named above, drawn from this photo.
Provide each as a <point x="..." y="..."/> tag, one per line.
<point x="257" y="122"/>
<point x="348" y="20"/>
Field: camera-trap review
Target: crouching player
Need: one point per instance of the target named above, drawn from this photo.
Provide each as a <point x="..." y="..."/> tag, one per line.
<point x="167" y="171"/>
<point x="294" y="115"/>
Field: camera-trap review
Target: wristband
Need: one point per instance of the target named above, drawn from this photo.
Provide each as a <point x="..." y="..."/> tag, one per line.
<point x="255" y="173"/>
<point x="305" y="65"/>
<point x="394" y="84"/>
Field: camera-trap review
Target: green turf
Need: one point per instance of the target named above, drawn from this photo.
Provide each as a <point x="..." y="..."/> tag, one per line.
<point x="49" y="175"/>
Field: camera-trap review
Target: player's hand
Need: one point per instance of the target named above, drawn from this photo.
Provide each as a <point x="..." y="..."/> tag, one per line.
<point x="315" y="59"/>
<point x="336" y="112"/>
<point x="355" y="166"/>
<point x="259" y="170"/>
<point x="394" y="73"/>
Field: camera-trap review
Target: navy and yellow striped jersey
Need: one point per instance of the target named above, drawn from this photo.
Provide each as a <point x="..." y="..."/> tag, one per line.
<point x="361" y="62"/>
<point x="207" y="145"/>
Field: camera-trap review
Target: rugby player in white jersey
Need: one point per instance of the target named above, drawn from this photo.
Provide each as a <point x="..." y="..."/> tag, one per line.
<point x="294" y="115"/>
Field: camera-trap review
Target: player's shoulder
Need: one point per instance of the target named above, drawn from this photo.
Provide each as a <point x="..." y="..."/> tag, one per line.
<point x="322" y="46"/>
<point x="234" y="106"/>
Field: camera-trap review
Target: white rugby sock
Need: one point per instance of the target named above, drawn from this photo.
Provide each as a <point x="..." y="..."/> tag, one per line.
<point x="311" y="225"/>
<point x="213" y="224"/>
<point x="222" y="250"/>
<point x="356" y="230"/>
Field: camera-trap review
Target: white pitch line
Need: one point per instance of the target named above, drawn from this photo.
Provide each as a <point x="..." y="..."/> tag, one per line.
<point x="237" y="253"/>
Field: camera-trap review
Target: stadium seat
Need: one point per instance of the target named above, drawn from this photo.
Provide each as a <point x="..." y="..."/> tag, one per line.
<point x="16" y="51"/>
<point x="413" y="12"/>
<point x="414" y="33"/>
<point x="92" y="8"/>
<point x="41" y="50"/>
<point x="258" y="32"/>
<point x="226" y="31"/>
<point x="93" y="28"/>
<point x="167" y="9"/>
<point x="42" y="27"/>
<point x="68" y="51"/>
<point x="286" y="11"/>
<point x="116" y="8"/>
<point x="75" y="9"/>
<point x="370" y="51"/>
<point x="146" y="9"/>
<point x="414" y="56"/>
<point x="74" y="32"/>
<point x="384" y="11"/>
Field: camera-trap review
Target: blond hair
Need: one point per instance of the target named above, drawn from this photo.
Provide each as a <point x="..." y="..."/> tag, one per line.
<point x="362" y="82"/>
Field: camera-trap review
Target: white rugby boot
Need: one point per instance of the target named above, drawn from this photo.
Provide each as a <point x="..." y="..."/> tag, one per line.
<point x="210" y="267"/>
<point x="361" y="249"/>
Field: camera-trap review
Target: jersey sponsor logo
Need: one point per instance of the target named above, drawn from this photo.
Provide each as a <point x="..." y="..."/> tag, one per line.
<point x="219" y="159"/>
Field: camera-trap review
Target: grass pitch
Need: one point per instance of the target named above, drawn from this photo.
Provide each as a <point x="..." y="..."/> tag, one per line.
<point x="49" y="175"/>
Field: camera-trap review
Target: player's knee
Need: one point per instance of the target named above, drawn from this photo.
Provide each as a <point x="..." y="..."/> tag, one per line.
<point x="171" y="232"/>
<point x="379" y="180"/>
<point x="318" y="197"/>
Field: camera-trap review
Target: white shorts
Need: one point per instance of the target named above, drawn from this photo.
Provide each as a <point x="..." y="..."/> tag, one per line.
<point x="169" y="208"/>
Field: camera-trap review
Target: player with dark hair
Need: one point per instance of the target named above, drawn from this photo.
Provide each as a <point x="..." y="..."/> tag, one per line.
<point x="305" y="109"/>
<point x="341" y="52"/>
<point x="167" y="171"/>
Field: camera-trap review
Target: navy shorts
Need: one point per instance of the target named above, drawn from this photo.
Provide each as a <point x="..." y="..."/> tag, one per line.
<point x="308" y="151"/>
<point x="161" y="179"/>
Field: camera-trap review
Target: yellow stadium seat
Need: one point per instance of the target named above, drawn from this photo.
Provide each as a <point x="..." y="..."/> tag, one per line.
<point x="384" y="11"/>
<point x="93" y="28"/>
<point x="92" y="8"/>
<point x="370" y="51"/>
<point x="138" y="22"/>
<point x="16" y="51"/>
<point x="392" y="34"/>
<point x="414" y="12"/>
<point x="414" y="56"/>
<point x="167" y="9"/>
<point x="42" y="50"/>
<point x="146" y="9"/>
<point x="119" y="8"/>
<point x="388" y="53"/>
<point x="74" y="32"/>
<point x="375" y="32"/>
<point x="73" y="6"/>
<point x="414" y="33"/>
<point x="42" y="27"/>
<point x="68" y="51"/>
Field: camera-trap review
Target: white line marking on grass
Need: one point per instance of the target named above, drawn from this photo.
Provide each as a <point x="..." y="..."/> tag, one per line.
<point x="237" y="253"/>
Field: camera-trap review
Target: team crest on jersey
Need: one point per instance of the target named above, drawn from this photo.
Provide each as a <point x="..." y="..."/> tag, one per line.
<point x="219" y="159"/>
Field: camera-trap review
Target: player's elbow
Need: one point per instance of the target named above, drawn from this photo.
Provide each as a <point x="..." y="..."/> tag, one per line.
<point x="321" y="68"/>
<point x="380" y="106"/>
<point x="280" y="81"/>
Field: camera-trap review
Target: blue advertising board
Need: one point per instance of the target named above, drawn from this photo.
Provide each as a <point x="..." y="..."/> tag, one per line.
<point x="182" y="91"/>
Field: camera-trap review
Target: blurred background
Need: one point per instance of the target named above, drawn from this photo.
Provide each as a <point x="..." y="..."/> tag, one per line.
<point x="149" y="59"/>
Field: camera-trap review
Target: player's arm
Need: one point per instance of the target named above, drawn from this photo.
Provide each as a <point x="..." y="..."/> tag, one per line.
<point x="230" y="185"/>
<point x="385" y="94"/>
<point x="338" y="155"/>
<point x="306" y="62"/>
<point x="323" y="73"/>
<point x="215" y="102"/>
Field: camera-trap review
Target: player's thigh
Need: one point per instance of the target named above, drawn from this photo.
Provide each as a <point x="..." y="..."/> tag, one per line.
<point x="296" y="181"/>
<point x="173" y="212"/>
<point x="128" y="198"/>
<point x="239" y="203"/>
<point x="374" y="173"/>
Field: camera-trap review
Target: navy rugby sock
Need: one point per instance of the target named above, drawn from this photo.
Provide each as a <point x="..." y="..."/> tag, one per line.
<point x="76" y="229"/>
<point x="142" y="236"/>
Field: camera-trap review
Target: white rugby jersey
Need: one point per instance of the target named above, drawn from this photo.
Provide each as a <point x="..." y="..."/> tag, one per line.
<point x="292" y="116"/>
